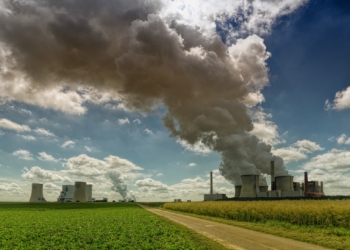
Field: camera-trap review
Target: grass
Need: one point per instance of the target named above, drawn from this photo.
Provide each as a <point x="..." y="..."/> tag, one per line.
<point x="92" y="226"/>
<point x="330" y="235"/>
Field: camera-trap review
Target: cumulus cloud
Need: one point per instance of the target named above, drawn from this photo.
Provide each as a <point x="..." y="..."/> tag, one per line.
<point x="198" y="147"/>
<point x="90" y="149"/>
<point x="23" y="154"/>
<point x="88" y="166"/>
<point x="343" y="139"/>
<point x="68" y="144"/>
<point x="7" y="124"/>
<point x="152" y="185"/>
<point x="28" y="137"/>
<point x="46" y="157"/>
<point x="192" y="164"/>
<point x="137" y="121"/>
<point x="11" y="189"/>
<point x="297" y="151"/>
<point x="341" y="100"/>
<point x="148" y="131"/>
<point x="123" y="121"/>
<point x="44" y="132"/>
<point x="39" y="174"/>
<point x="334" y="159"/>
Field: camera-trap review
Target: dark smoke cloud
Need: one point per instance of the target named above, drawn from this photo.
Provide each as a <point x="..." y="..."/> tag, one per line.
<point x="127" y="47"/>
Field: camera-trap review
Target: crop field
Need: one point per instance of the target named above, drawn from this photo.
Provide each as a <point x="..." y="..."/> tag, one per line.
<point x="323" y="222"/>
<point x="92" y="226"/>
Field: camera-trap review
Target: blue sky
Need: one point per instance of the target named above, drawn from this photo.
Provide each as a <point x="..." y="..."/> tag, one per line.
<point x="60" y="123"/>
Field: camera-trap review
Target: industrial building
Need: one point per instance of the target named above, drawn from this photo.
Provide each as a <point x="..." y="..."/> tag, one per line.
<point x="281" y="186"/>
<point x="78" y="192"/>
<point x="212" y="196"/>
<point x="37" y="193"/>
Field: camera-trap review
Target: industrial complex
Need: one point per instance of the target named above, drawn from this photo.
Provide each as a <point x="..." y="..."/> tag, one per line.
<point x="281" y="186"/>
<point x="79" y="192"/>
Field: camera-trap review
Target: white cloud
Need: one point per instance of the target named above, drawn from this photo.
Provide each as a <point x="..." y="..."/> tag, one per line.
<point x="90" y="149"/>
<point x="123" y="121"/>
<point x="198" y="147"/>
<point x="68" y="144"/>
<point x="23" y="154"/>
<point x="148" y="131"/>
<point x="44" y="132"/>
<point x="152" y="185"/>
<point x="341" y="100"/>
<point x="137" y="121"/>
<point x="265" y="129"/>
<point x="46" y="157"/>
<point x="297" y="151"/>
<point x="159" y="174"/>
<point x="7" y="124"/>
<point x="343" y="139"/>
<point x="28" y="137"/>
<point x="89" y="166"/>
<point x="39" y="174"/>
<point x="332" y="160"/>
<point x="192" y="164"/>
<point x="11" y="189"/>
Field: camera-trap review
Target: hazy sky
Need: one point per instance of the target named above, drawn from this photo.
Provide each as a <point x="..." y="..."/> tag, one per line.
<point x="156" y="94"/>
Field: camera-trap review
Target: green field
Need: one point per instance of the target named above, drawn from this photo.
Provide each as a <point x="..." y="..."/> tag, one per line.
<point x="322" y="222"/>
<point x="92" y="226"/>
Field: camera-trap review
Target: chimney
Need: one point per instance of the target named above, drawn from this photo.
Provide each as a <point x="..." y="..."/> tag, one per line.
<point x="211" y="182"/>
<point x="322" y="187"/>
<point x="306" y="183"/>
<point x="273" y="185"/>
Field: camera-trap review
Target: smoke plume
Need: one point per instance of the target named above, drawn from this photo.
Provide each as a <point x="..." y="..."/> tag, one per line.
<point x="150" y="54"/>
<point x="119" y="186"/>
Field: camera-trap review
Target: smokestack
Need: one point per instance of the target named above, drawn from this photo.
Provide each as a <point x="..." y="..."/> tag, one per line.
<point x="250" y="186"/>
<point x="306" y="183"/>
<point x="37" y="193"/>
<point x="211" y="182"/>
<point x="322" y="187"/>
<point x="273" y="187"/>
<point x="80" y="192"/>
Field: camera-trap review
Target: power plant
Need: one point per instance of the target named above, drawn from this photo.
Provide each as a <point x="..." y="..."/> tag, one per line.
<point x="80" y="192"/>
<point x="281" y="186"/>
<point x="212" y="196"/>
<point x="37" y="193"/>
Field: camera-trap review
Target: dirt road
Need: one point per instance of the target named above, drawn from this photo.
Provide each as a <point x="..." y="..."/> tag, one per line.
<point x="235" y="237"/>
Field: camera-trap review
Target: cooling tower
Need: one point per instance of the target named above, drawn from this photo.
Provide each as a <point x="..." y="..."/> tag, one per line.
<point x="284" y="183"/>
<point x="89" y="192"/>
<point x="263" y="188"/>
<point x="37" y="193"/>
<point x="238" y="191"/>
<point x="80" y="192"/>
<point x="250" y="186"/>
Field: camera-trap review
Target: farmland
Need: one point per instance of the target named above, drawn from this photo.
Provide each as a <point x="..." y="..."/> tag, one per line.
<point x="92" y="226"/>
<point x="325" y="222"/>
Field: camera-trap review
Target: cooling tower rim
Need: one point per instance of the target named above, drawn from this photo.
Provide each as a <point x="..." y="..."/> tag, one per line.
<point x="37" y="184"/>
<point x="284" y="176"/>
<point x="80" y="182"/>
<point x="250" y="175"/>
